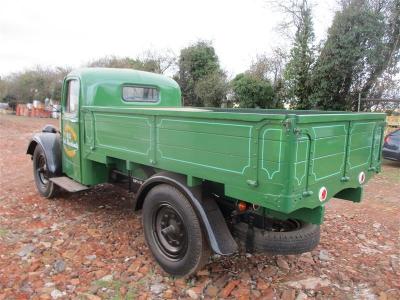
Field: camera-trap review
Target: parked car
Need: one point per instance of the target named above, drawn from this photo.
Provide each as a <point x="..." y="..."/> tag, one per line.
<point x="391" y="147"/>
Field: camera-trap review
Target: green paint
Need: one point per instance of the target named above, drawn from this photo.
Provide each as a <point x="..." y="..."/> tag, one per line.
<point x="274" y="158"/>
<point x="193" y="181"/>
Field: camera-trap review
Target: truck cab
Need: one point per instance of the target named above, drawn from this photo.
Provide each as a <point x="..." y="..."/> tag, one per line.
<point x="93" y="87"/>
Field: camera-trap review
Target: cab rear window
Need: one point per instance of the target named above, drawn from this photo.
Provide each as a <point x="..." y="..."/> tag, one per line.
<point x="140" y="94"/>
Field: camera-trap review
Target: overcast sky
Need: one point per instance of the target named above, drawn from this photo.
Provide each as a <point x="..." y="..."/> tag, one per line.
<point x="50" y="32"/>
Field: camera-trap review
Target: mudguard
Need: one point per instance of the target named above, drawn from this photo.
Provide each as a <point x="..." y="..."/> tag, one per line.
<point x="219" y="236"/>
<point x="51" y="144"/>
<point x="49" y="128"/>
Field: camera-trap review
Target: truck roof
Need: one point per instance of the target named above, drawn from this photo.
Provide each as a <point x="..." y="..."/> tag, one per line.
<point x="123" y="75"/>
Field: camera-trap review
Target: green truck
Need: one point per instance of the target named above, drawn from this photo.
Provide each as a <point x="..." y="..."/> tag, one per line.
<point x="207" y="179"/>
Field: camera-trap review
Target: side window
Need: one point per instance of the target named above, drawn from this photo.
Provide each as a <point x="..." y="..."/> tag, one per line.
<point x="72" y="103"/>
<point x="140" y="94"/>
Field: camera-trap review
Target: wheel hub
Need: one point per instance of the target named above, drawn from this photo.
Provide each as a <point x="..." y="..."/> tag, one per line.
<point x="170" y="232"/>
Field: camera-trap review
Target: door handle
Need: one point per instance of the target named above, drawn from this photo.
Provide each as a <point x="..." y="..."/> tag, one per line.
<point x="71" y="120"/>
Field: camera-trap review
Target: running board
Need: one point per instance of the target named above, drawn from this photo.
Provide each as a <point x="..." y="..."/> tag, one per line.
<point x="68" y="184"/>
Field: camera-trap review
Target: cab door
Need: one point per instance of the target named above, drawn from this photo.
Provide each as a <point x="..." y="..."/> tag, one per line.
<point x="71" y="156"/>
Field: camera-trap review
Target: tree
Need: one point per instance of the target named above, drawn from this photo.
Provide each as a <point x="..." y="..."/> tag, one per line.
<point x="361" y="54"/>
<point x="3" y="89"/>
<point x="158" y="61"/>
<point x="198" y="66"/>
<point x="252" y="92"/>
<point x="113" y="61"/>
<point x="298" y="71"/>
<point x="270" y="68"/>
<point x="211" y="89"/>
<point x="34" y="84"/>
<point x="150" y="61"/>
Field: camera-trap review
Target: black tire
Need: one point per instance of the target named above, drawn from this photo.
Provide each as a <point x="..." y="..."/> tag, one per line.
<point x="302" y="239"/>
<point x="173" y="231"/>
<point x="45" y="187"/>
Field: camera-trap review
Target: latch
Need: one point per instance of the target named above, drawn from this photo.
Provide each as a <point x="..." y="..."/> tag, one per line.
<point x="287" y="124"/>
<point x="252" y="183"/>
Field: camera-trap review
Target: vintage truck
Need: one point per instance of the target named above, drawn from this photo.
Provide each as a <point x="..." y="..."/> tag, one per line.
<point x="205" y="178"/>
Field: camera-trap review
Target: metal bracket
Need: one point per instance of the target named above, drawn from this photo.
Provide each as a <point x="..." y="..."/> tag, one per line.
<point x="252" y="183"/>
<point x="307" y="193"/>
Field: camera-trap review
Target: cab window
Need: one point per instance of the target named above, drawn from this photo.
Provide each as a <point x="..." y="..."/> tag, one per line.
<point x="140" y="94"/>
<point x="72" y="103"/>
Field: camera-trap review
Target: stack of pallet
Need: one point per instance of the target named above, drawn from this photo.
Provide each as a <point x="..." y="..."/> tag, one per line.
<point x="31" y="111"/>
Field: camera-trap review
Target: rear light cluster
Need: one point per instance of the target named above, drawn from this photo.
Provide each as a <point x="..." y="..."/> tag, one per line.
<point x="242" y="206"/>
<point x="387" y="139"/>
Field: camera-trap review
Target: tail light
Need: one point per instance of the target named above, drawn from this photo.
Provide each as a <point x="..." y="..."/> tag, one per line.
<point x="241" y="206"/>
<point x="387" y="139"/>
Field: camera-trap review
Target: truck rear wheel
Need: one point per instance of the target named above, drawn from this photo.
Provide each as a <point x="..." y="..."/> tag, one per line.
<point x="285" y="237"/>
<point x="173" y="231"/>
<point x="45" y="187"/>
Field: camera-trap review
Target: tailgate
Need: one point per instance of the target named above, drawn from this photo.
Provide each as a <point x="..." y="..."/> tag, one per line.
<point x="336" y="152"/>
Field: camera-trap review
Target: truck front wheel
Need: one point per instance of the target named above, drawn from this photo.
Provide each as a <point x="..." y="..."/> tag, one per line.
<point x="173" y="231"/>
<point x="41" y="175"/>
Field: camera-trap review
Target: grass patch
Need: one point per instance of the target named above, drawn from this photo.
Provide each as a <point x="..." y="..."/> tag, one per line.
<point x="3" y="232"/>
<point x="391" y="175"/>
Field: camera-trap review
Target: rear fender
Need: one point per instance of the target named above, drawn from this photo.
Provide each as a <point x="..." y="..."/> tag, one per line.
<point x="219" y="236"/>
<point x="51" y="144"/>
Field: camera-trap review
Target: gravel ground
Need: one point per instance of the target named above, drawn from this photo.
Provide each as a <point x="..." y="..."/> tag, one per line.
<point x="90" y="245"/>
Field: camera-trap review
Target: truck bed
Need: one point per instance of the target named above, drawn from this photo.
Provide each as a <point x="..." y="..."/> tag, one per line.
<point x="278" y="159"/>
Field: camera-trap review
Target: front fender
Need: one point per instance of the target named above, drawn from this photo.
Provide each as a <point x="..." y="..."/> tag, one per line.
<point x="51" y="144"/>
<point x="219" y="236"/>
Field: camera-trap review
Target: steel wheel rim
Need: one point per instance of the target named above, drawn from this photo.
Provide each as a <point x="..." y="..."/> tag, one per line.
<point x="281" y="225"/>
<point x="169" y="232"/>
<point x="41" y="170"/>
<point x="285" y="226"/>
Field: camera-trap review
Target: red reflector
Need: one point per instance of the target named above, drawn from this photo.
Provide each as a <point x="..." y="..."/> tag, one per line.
<point x="361" y="177"/>
<point x="323" y="193"/>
